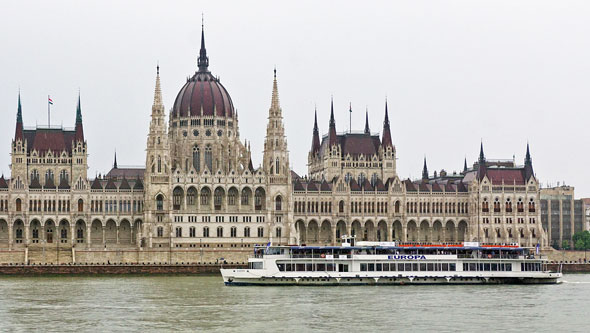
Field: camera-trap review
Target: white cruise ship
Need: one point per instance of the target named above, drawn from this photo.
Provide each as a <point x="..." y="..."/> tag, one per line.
<point x="388" y="263"/>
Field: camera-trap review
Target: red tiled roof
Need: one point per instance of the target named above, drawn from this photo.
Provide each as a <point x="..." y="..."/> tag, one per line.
<point x="325" y="186"/>
<point x="509" y="176"/>
<point x="409" y="186"/>
<point x="311" y="186"/>
<point x="354" y="186"/>
<point x="298" y="186"/>
<point x="119" y="173"/>
<point x="55" y="140"/>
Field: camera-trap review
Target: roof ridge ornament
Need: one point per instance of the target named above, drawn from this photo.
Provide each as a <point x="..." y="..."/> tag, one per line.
<point x="203" y="60"/>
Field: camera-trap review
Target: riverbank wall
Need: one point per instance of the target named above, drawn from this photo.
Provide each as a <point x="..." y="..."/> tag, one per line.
<point x="115" y="269"/>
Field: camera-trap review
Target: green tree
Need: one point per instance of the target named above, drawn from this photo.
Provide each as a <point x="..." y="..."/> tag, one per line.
<point x="582" y="240"/>
<point x="565" y="245"/>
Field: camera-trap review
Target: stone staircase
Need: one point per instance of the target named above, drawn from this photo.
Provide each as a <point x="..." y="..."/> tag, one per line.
<point x="50" y="255"/>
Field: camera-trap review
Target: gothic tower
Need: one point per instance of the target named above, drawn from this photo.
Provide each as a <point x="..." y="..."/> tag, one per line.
<point x="157" y="171"/>
<point x="276" y="167"/>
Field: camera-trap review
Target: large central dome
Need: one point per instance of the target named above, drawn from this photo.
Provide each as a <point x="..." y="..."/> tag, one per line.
<point x="203" y="94"/>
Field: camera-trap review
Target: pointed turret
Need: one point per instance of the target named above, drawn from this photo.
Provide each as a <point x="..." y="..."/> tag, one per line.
<point x="528" y="164"/>
<point x="367" y="129"/>
<point x="157" y="89"/>
<point x="315" y="141"/>
<point x="275" y="159"/>
<point x="424" y="170"/>
<point x="79" y="127"/>
<point x="115" y="162"/>
<point x="481" y="170"/>
<point x="332" y="132"/>
<point x="203" y="60"/>
<point x="465" y="166"/>
<point x="386" y="139"/>
<point x="19" y="121"/>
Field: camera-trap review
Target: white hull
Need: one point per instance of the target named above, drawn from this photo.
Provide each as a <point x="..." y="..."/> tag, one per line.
<point x="240" y="277"/>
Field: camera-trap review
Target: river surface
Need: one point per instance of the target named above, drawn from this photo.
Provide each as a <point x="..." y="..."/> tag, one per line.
<point x="203" y="303"/>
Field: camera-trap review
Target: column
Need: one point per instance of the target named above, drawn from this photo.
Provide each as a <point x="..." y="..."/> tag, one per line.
<point x="103" y="237"/>
<point x="27" y="233"/>
<point x="117" y="234"/>
<point x="72" y="234"/>
<point x="10" y="235"/>
<point x="88" y="236"/>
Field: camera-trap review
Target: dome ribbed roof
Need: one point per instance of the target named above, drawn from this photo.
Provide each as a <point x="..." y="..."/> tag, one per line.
<point x="203" y="95"/>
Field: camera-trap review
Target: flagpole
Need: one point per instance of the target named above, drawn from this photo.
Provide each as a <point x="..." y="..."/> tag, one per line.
<point x="48" y="112"/>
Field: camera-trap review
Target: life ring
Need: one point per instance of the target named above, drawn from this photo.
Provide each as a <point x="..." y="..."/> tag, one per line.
<point x="322" y="255"/>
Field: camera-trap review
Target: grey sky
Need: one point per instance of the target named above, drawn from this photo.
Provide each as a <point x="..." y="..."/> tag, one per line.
<point x="454" y="72"/>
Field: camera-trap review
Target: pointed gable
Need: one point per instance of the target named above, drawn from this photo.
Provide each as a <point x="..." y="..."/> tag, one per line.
<point x="124" y="184"/>
<point x="424" y="187"/>
<point x="354" y="186"/>
<point x="312" y="186"/>
<point x="410" y="187"/>
<point x="111" y="185"/>
<point x="63" y="184"/>
<point x="297" y="185"/>
<point x="325" y="186"/>
<point x="96" y="185"/>
<point x="449" y="187"/>
<point x="367" y="186"/>
<point x="138" y="186"/>
<point x="380" y="186"/>
<point x="436" y="187"/>
<point x="3" y="183"/>
<point x="461" y="187"/>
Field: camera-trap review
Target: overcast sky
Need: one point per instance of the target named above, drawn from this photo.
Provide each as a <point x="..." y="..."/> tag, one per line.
<point x="454" y="72"/>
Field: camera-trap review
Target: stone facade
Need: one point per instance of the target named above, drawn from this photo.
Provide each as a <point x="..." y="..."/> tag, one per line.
<point x="200" y="191"/>
<point x="562" y="216"/>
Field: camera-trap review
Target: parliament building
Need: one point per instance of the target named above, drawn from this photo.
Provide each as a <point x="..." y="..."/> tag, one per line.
<point x="199" y="189"/>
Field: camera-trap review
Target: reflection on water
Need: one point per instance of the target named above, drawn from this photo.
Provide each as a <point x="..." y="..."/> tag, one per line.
<point x="191" y="303"/>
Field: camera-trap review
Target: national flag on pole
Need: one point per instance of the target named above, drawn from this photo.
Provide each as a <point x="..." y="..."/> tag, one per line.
<point x="49" y="100"/>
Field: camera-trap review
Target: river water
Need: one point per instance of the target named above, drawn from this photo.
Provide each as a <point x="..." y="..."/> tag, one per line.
<point x="203" y="303"/>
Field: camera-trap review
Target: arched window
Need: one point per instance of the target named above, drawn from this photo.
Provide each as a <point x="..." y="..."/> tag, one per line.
<point x="278" y="203"/>
<point x="508" y="206"/>
<point x="531" y="206"/>
<point x="18" y="205"/>
<point x="160" y="202"/>
<point x="260" y="231"/>
<point x="397" y="206"/>
<point x="177" y="196"/>
<point x="80" y="205"/>
<point x="347" y="177"/>
<point x="190" y="197"/>
<point x="361" y="178"/>
<point x="218" y="198"/>
<point x="80" y="234"/>
<point x="63" y="176"/>
<point x="246" y="194"/>
<point x="34" y="175"/>
<point x="277" y="166"/>
<point x="247" y="232"/>
<point x="485" y="205"/>
<point x="341" y="206"/>
<point x="497" y="205"/>
<point x="205" y="196"/>
<point x="48" y="176"/>
<point x="209" y="158"/>
<point x="64" y="233"/>
<point x="159" y="164"/>
<point x="219" y="231"/>
<point x="160" y="231"/>
<point x="206" y="232"/>
<point x="197" y="158"/>
<point x="232" y="196"/>
<point x="520" y="205"/>
<point x="259" y="198"/>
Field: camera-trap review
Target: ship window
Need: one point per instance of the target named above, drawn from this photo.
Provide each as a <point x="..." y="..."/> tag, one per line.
<point x="386" y="267"/>
<point x="452" y="267"/>
<point x="409" y="267"/>
<point x="379" y="267"/>
<point x="363" y="267"/>
<point x="331" y="267"/>
<point x="300" y="267"/>
<point x="445" y="267"/>
<point x="321" y="267"/>
<point x="256" y="265"/>
<point x="371" y="268"/>
<point x="494" y="267"/>
<point x="281" y="267"/>
<point x="430" y="267"/>
<point x="422" y="266"/>
<point x="309" y="267"/>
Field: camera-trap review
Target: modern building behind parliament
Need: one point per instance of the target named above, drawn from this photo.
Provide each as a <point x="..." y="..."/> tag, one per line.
<point x="200" y="189"/>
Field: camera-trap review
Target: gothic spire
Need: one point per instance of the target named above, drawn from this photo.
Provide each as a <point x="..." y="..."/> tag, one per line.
<point x="157" y="89"/>
<point x="274" y="105"/>
<point x="528" y="163"/>
<point x="79" y="127"/>
<point x="203" y="60"/>
<point x="424" y="170"/>
<point x="367" y="130"/>
<point x="386" y="139"/>
<point x="481" y="168"/>
<point x="315" y="141"/>
<point x="19" y="121"/>
<point x="332" y="131"/>
<point x="115" y="162"/>
<point x="465" y="165"/>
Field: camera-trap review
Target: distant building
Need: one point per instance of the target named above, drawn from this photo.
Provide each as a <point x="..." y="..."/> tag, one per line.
<point x="587" y="212"/>
<point x="561" y="215"/>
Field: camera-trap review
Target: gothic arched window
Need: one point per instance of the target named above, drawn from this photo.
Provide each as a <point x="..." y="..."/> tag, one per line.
<point x="48" y="176"/>
<point x="277" y="166"/>
<point x="209" y="158"/>
<point x="278" y="203"/>
<point x="160" y="202"/>
<point x="197" y="158"/>
<point x="159" y="164"/>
